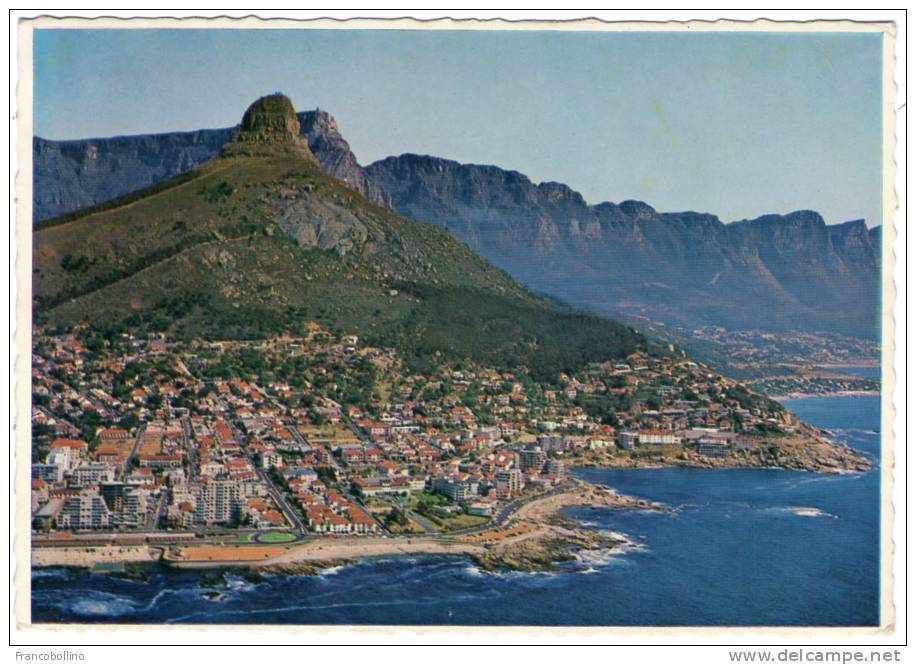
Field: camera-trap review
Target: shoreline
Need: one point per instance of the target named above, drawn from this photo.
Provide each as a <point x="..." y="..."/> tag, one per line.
<point x="534" y="537"/>
<point x="839" y="393"/>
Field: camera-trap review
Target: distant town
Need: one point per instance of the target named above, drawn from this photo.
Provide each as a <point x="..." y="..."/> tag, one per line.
<point x="279" y="439"/>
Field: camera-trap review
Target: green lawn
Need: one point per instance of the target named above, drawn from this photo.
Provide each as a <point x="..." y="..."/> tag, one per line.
<point x="462" y="522"/>
<point x="410" y="527"/>
<point x="277" y="537"/>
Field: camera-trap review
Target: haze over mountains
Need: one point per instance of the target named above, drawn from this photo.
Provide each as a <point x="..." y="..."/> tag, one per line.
<point x="777" y="272"/>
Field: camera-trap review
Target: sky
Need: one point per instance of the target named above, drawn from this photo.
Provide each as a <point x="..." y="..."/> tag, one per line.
<point x="737" y="124"/>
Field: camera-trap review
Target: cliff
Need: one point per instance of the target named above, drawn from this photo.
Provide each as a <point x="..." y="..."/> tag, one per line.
<point x="777" y="272"/>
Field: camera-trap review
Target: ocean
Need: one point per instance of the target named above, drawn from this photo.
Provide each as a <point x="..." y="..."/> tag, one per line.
<point x="741" y="547"/>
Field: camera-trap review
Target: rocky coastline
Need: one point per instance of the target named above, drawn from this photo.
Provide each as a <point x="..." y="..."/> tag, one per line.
<point x="535" y="537"/>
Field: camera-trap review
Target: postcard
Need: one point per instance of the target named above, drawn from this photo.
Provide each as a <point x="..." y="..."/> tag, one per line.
<point x="576" y="325"/>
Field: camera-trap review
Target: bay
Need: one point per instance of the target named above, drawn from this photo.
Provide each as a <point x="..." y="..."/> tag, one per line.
<point x="741" y="547"/>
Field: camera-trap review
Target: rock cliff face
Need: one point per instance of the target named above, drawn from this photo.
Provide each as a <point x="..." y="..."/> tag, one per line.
<point x="268" y="126"/>
<point x="71" y="175"/>
<point x="335" y="156"/>
<point x="776" y="272"/>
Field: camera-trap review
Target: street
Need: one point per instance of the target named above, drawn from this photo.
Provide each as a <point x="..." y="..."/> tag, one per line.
<point x="289" y="512"/>
<point x="133" y="453"/>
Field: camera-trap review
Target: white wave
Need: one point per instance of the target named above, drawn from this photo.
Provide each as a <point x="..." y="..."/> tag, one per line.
<point x="102" y="605"/>
<point x="237" y="583"/>
<point x="43" y="573"/>
<point x="601" y="557"/>
<point x="813" y="512"/>
<point x="172" y="592"/>
<point x="528" y="574"/>
<point x="621" y="538"/>
<point x="471" y="569"/>
<point x="804" y="511"/>
<point x="588" y="524"/>
<point x="210" y="615"/>
<point x="333" y="570"/>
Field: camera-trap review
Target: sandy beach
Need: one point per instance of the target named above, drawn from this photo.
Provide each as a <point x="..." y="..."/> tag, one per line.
<point x="360" y="548"/>
<point x="89" y="556"/>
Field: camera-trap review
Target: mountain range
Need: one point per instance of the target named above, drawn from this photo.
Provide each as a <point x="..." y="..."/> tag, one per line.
<point x="686" y="270"/>
<point x="260" y="240"/>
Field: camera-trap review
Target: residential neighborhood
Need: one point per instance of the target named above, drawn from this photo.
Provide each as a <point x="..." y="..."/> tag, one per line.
<point x="324" y="435"/>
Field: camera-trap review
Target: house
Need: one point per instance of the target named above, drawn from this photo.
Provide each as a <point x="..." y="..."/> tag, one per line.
<point x="47" y="472"/>
<point x="47" y="515"/>
<point x="627" y="440"/>
<point x="270" y="458"/>
<point x="77" y="447"/>
<point x="110" y="454"/>
<point x="456" y="488"/>
<point x="91" y="474"/>
<point x="86" y="510"/>
<point x="746" y="443"/>
<point x="709" y="447"/>
<point x="161" y="461"/>
<point x="480" y="509"/>
<point x="658" y="437"/>
<point x="532" y="459"/>
<point x="113" y="434"/>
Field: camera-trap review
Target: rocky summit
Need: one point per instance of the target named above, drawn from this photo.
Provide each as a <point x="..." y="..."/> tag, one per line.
<point x="269" y="124"/>
<point x="260" y="240"/>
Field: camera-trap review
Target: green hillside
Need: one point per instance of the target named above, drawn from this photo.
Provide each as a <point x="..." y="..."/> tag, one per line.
<point x="260" y="241"/>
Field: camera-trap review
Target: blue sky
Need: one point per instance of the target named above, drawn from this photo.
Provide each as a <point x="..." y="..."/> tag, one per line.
<point x="737" y="124"/>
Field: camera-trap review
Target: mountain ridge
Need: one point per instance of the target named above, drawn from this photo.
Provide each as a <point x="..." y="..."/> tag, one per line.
<point x="688" y="269"/>
<point x="260" y="240"/>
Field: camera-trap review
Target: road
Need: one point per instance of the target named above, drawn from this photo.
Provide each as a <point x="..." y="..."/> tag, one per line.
<point x="133" y="452"/>
<point x="401" y="503"/>
<point x="190" y="450"/>
<point x="218" y="534"/>
<point x="292" y="515"/>
<point x="507" y="512"/>
<point x="154" y="517"/>
<point x="289" y="512"/>
<point x="422" y="521"/>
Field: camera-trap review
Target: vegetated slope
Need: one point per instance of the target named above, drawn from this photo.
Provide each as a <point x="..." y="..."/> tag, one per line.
<point x="261" y="240"/>
<point x="72" y="175"/>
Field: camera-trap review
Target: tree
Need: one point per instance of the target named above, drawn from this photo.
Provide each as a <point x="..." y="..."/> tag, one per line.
<point x="395" y="516"/>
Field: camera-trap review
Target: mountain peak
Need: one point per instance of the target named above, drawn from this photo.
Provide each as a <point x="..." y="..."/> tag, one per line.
<point x="269" y="124"/>
<point x="317" y="121"/>
<point x="637" y="209"/>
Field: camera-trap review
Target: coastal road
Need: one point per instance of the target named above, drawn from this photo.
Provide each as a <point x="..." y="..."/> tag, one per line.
<point x="508" y="511"/>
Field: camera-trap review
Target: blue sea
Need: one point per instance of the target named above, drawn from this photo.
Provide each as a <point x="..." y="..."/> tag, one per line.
<point x="742" y="547"/>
